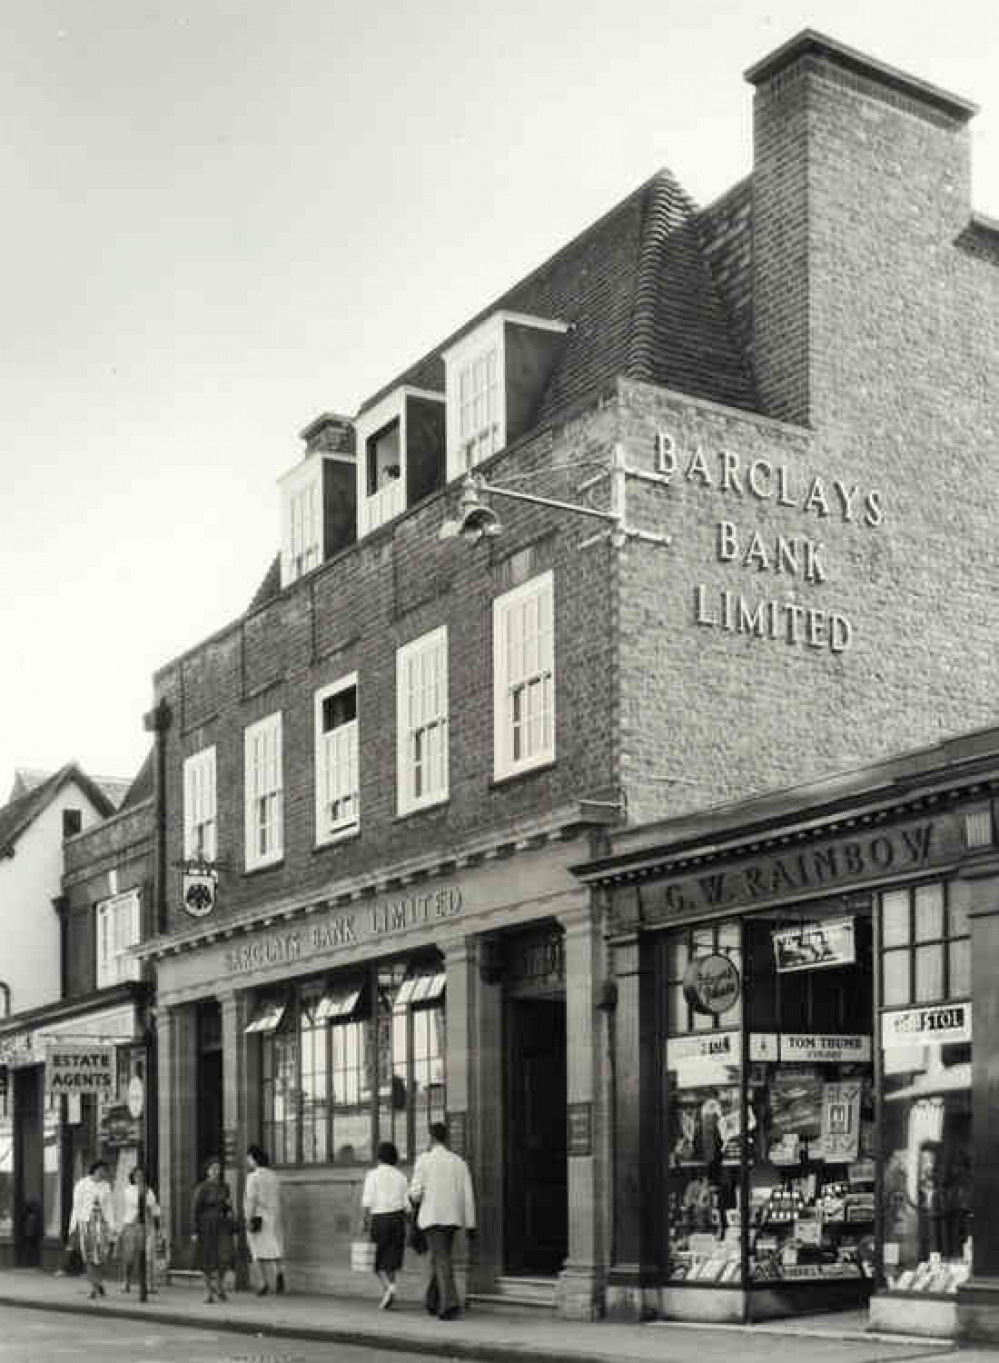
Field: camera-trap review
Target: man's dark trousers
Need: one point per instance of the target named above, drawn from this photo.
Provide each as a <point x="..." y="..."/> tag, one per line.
<point x="441" y="1297"/>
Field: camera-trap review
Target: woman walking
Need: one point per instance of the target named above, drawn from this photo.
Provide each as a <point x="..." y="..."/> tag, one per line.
<point x="135" y="1232"/>
<point x="384" y="1199"/>
<point x="262" y="1211"/>
<point x="212" y="1219"/>
<point x="94" y="1222"/>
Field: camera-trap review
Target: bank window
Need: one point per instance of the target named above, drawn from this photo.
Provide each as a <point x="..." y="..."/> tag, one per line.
<point x="422" y="721"/>
<point x="200" y="843"/>
<point x="118" y="929"/>
<point x="925" y="947"/>
<point x="264" y="792"/>
<point x="337" y="760"/>
<point x="353" y="1061"/>
<point x="524" y="676"/>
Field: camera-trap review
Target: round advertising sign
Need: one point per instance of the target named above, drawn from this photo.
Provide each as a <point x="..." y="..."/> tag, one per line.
<point x="712" y="984"/>
<point x="136" y="1097"/>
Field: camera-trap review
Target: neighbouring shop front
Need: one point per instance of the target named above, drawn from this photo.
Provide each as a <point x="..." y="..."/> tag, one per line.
<point x="799" y="991"/>
<point x="73" y="1082"/>
<point x="466" y="998"/>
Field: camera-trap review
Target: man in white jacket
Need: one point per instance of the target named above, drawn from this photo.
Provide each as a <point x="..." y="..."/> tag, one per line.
<point x="441" y="1189"/>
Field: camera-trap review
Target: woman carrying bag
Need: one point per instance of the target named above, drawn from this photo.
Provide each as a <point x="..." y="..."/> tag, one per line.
<point x="384" y="1200"/>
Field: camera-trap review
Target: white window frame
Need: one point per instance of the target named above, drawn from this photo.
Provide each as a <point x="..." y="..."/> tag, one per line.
<point x="421" y="684"/>
<point x="338" y="766"/>
<point x="524" y="668"/>
<point x="301" y="519"/>
<point x="263" y="786"/>
<point x="469" y="443"/>
<point x="116" y="919"/>
<point x="385" y="503"/>
<point x="200" y="807"/>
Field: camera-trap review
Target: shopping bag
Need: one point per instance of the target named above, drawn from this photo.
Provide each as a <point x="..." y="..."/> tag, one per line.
<point x="362" y="1256"/>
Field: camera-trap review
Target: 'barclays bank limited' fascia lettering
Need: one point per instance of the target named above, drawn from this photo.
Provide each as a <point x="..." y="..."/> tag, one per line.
<point x="345" y="929"/>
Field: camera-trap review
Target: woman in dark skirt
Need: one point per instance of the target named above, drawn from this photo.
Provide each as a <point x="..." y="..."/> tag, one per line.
<point x="383" y="1204"/>
<point x="212" y="1220"/>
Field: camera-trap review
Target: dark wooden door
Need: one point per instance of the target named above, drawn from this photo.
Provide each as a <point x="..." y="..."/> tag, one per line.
<point x="537" y="1184"/>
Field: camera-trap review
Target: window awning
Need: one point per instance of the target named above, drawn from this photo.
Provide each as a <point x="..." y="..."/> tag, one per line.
<point x="421" y="989"/>
<point x="268" y="1016"/>
<point x="339" y="1001"/>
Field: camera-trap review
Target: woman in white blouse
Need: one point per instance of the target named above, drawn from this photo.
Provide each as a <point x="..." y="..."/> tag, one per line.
<point x="384" y="1201"/>
<point x="93" y="1220"/>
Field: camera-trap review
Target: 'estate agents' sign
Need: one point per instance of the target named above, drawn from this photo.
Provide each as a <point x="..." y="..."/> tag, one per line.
<point x="79" y="1069"/>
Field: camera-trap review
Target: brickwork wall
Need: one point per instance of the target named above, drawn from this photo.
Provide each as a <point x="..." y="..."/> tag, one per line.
<point x="351" y="616"/>
<point x="123" y="844"/>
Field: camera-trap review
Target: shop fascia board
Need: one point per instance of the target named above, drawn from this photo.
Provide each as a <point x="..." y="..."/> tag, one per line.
<point x="737" y="836"/>
<point x="565" y="825"/>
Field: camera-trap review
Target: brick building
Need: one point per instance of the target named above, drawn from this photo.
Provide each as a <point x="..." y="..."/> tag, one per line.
<point x="380" y="777"/>
<point x="69" y="840"/>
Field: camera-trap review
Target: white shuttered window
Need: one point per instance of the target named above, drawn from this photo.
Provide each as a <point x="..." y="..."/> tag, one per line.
<point x="118" y="928"/>
<point x="338" y="806"/>
<point x="524" y="676"/>
<point x="264" y="792"/>
<point x="200" y="839"/>
<point x="421" y="721"/>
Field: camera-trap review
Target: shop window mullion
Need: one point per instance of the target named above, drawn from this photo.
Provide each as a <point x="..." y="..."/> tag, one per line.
<point x="328" y="1045"/>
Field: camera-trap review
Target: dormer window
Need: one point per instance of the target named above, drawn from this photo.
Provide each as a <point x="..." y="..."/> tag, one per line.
<point x="318" y="498"/>
<point x="400" y="454"/>
<point x="496" y="379"/>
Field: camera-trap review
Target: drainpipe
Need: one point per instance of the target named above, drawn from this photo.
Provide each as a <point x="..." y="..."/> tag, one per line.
<point x="158" y="721"/>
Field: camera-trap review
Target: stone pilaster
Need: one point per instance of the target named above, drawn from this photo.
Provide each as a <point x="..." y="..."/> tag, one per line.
<point x="579" y="1295"/>
<point x="978" y="1299"/>
<point x="177" y="1056"/>
<point x="240" y="1102"/>
<point x="474" y="1095"/>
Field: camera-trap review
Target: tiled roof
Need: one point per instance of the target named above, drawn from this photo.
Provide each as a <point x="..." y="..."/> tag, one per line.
<point x="142" y="784"/>
<point x="639" y="294"/>
<point x="269" y="587"/>
<point x="19" y="814"/>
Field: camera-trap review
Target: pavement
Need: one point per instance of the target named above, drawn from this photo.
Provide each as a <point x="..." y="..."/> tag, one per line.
<point x="516" y="1336"/>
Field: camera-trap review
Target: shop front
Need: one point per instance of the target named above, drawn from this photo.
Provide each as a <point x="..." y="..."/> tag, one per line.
<point x="321" y="1030"/>
<point x="799" y="990"/>
<point x="67" y="1075"/>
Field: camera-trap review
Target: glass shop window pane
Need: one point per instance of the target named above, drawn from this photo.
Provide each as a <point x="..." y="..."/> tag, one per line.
<point x="895" y="918"/>
<point x="929" y="913"/>
<point x="929" y="974"/>
<point x="960" y="969"/>
<point x="895" y="978"/>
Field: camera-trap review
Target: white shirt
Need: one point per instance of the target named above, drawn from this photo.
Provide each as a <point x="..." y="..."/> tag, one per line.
<point x="443" y="1187"/>
<point x="87" y="1192"/>
<point x="385" y="1190"/>
<point x="132" y="1205"/>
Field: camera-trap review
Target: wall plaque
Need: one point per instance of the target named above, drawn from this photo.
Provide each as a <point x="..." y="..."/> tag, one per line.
<point x="579" y="1129"/>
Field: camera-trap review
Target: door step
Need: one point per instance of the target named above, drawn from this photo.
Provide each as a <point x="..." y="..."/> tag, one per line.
<point x="519" y="1293"/>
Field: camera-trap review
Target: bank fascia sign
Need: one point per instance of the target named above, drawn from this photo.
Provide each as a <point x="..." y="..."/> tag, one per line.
<point x="805" y="871"/>
<point x="339" y="930"/>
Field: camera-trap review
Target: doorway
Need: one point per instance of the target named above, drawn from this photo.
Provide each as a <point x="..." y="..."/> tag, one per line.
<point x="537" y="1217"/>
<point x="209" y="1082"/>
<point x="28" y="1166"/>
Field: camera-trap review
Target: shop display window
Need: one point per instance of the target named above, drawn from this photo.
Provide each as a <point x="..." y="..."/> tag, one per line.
<point x="926" y="1189"/>
<point x="702" y="1010"/>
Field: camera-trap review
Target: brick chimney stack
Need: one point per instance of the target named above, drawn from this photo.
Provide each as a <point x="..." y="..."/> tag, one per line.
<point x="861" y="177"/>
